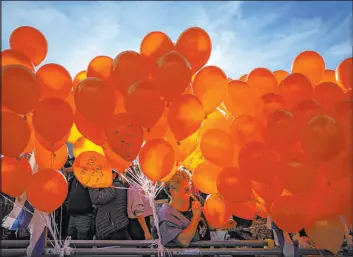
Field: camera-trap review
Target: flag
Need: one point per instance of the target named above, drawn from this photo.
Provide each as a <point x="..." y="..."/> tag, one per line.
<point x="38" y="234"/>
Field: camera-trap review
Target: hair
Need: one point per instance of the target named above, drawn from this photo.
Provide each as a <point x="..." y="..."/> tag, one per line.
<point x="181" y="174"/>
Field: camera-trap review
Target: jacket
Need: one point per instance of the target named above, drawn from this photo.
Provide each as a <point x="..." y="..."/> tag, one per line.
<point x="112" y="209"/>
<point x="79" y="201"/>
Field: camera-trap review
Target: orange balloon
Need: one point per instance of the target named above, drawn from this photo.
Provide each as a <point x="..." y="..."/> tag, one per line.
<point x="157" y="159"/>
<point x="78" y="78"/>
<point x="242" y="78"/>
<point x="344" y="74"/>
<point x="117" y="163"/>
<point x="296" y="88"/>
<point x="95" y="100"/>
<point x="281" y="131"/>
<point x="245" y="210"/>
<point x="195" y="44"/>
<point x="262" y="81"/>
<point x="267" y="104"/>
<point x="245" y="129"/>
<point x="268" y="192"/>
<point x="297" y="172"/>
<point x="154" y="45"/>
<point x="311" y="64"/>
<point x="329" y="76"/>
<point x="55" y="81"/>
<point x="210" y="86"/>
<point x="215" y="120"/>
<point x="343" y="114"/>
<point x="185" y="147"/>
<point x="84" y="145"/>
<point x="159" y="130"/>
<point x="150" y="104"/>
<point x="53" y="119"/>
<point x="287" y="209"/>
<point x="185" y="116"/>
<point x="20" y="88"/>
<point x="217" y="146"/>
<point x="100" y="67"/>
<point x="128" y="68"/>
<point x="233" y="185"/>
<point x="15" y="175"/>
<point x="338" y="167"/>
<point x="322" y="138"/>
<point x="280" y="75"/>
<point x="216" y="211"/>
<point x="9" y="56"/>
<point x="71" y="101"/>
<point x="90" y="130"/>
<point x="15" y="134"/>
<point x="119" y="102"/>
<point x="93" y="170"/>
<point x="51" y="146"/>
<point x="328" y="94"/>
<point x="47" y="159"/>
<point x="204" y="177"/>
<point x="124" y="137"/>
<point x="239" y="99"/>
<point x="47" y="190"/>
<point x="258" y="162"/>
<point x="305" y="110"/>
<point x="172" y="75"/>
<point x="31" y="42"/>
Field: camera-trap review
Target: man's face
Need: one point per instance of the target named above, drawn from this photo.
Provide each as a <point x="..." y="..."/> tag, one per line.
<point x="182" y="190"/>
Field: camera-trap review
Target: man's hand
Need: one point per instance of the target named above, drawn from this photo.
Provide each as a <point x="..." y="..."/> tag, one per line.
<point x="196" y="209"/>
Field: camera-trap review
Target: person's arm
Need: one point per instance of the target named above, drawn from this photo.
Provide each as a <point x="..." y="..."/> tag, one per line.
<point x="142" y="221"/>
<point x="101" y="196"/>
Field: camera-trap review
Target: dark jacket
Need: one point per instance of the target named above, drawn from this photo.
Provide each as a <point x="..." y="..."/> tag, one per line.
<point x="112" y="209"/>
<point x="79" y="201"/>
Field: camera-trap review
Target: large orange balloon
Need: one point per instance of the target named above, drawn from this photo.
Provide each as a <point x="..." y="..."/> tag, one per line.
<point x="15" y="134"/>
<point x="154" y="45"/>
<point x="233" y="185"/>
<point x="344" y="115"/>
<point x="150" y="104"/>
<point x="327" y="234"/>
<point x="157" y="159"/>
<point x="100" y="67"/>
<point x="269" y="192"/>
<point x="20" y="88"/>
<point x="210" y="86"/>
<point x="215" y="120"/>
<point x="124" y="137"/>
<point x="172" y="75"/>
<point x="78" y="78"/>
<point x="93" y="170"/>
<point x="53" y="119"/>
<point x="216" y="211"/>
<point x="31" y="42"/>
<point x="344" y="74"/>
<point x="204" y="177"/>
<point x="290" y="213"/>
<point x="311" y="64"/>
<point x="92" y="131"/>
<point x="262" y="81"/>
<point x="258" y="162"/>
<point x="322" y="138"/>
<point x="281" y="131"/>
<point x="267" y="104"/>
<point x="159" y="130"/>
<point x="280" y="75"/>
<point x="217" y="146"/>
<point x="15" y="175"/>
<point x="9" y="56"/>
<point x="245" y="210"/>
<point x="128" y="68"/>
<point x="245" y="129"/>
<point x="239" y="99"/>
<point x="305" y="110"/>
<point x="329" y="76"/>
<point x="47" y="190"/>
<point x="296" y="88"/>
<point x="185" y="147"/>
<point x="55" y="81"/>
<point x="84" y="145"/>
<point x="195" y="44"/>
<point x="328" y="94"/>
<point x="185" y="116"/>
<point x="47" y="159"/>
<point x="117" y="163"/>
<point x="95" y="100"/>
<point x="51" y="146"/>
<point x="338" y="167"/>
<point x="297" y="172"/>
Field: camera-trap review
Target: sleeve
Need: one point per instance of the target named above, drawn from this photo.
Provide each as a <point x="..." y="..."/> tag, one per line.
<point x="101" y="196"/>
<point x="169" y="232"/>
<point x="137" y="203"/>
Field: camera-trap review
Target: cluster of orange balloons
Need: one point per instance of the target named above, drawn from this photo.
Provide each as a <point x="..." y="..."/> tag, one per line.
<point x="259" y="144"/>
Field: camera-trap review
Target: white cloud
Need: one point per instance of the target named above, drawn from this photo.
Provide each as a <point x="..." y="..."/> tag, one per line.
<point x="242" y="40"/>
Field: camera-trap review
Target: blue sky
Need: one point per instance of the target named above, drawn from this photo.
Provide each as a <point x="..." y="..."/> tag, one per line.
<point x="245" y="35"/>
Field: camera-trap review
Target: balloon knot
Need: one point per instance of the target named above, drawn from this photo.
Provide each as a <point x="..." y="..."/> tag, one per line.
<point x="168" y="104"/>
<point x="25" y="118"/>
<point x="148" y="130"/>
<point x="178" y="142"/>
<point x="205" y="117"/>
